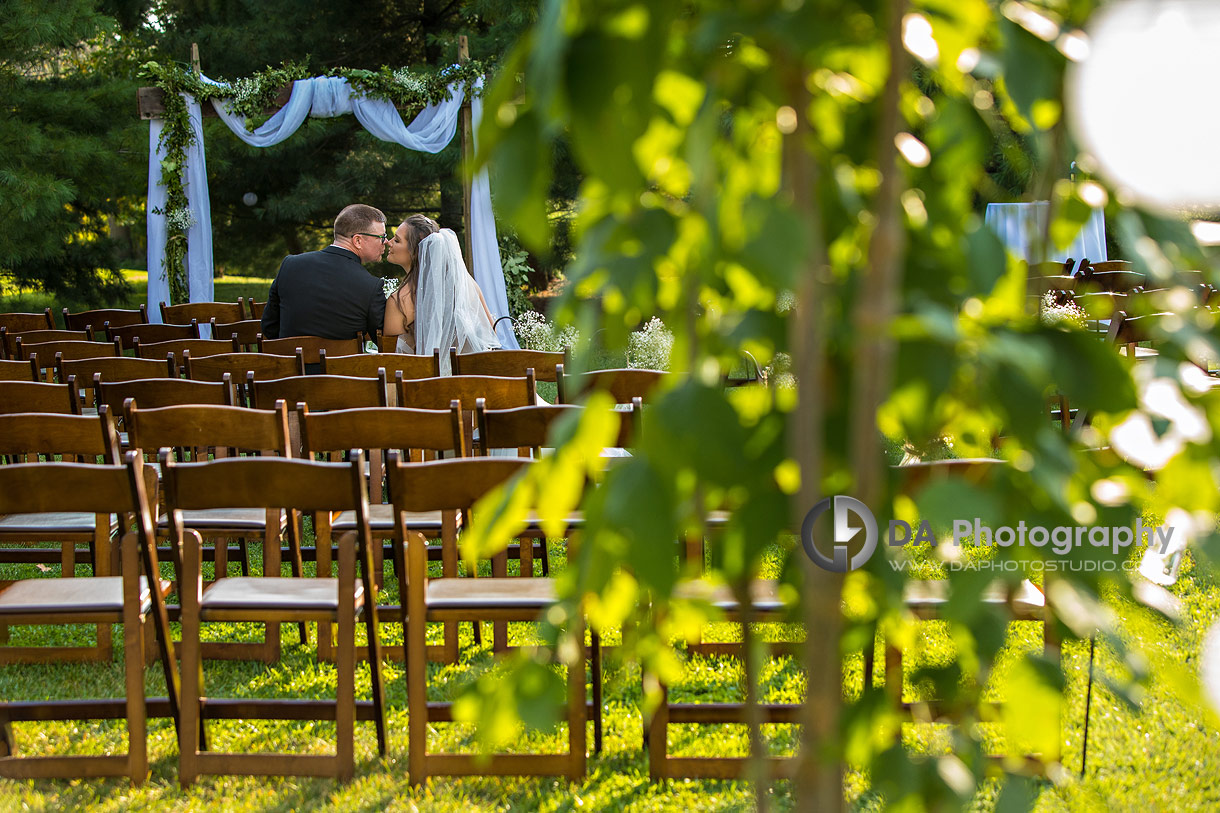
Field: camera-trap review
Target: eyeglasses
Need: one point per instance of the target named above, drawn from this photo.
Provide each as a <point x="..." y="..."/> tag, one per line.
<point x="385" y="238"/>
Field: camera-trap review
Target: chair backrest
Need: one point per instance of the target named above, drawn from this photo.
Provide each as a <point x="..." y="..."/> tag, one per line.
<point x="447" y="485"/>
<point x="366" y="365"/>
<point x="522" y="427"/>
<point x="14" y="370"/>
<point x="244" y="333"/>
<point x="27" y="436"/>
<point x="83" y="372"/>
<point x="413" y="432"/>
<point x="529" y="427"/>
<point x="310" y="346"/>
<point x="116" y="368"/>
<point x="161" y="392"/>
<point x="202" y="312"/>
<point x="175" y="348"/>
<point x="916" y="476"/>
<point x="127" y="334"/>
<point x="320" y="392"/>
<point x="264" y="482"/>
<point x="623" y="384"/>
<point x="1036" y="286"/>
<point x="37" y="396"/>
<point x="1114" y="275"/>
<point x="194" y="429"/>
<point x="500" y="392"/>
<point x="99" y="317"/>
<point x="507" y="362"/>
<point x="238" y="365"/>
<point x="50" y="353"/>
<point x="8" y="338"/>
<point x="19" y="322"/>
<point x="256" y="309"/>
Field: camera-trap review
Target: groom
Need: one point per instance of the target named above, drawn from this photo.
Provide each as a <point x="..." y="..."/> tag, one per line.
<point x="329" y="293"/>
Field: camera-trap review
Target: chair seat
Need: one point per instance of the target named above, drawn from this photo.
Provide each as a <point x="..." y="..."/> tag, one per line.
<point x="931" y="594"/>
<point x="479" y="594"/>
<point x="246" y="519"/>
<point x="764" y="595"/>
<point x="381" y="518"/>
<point x="66" y="521"/>
<point x="99" y="594"/>
<point x="271" y="593"/>
<point x="575" y="520"/>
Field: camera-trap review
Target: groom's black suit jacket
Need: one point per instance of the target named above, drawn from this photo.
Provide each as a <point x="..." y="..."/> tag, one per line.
<point x="325" y="293"/>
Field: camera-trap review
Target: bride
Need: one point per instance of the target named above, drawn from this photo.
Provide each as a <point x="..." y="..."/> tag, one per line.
<point x="438" y="305"/>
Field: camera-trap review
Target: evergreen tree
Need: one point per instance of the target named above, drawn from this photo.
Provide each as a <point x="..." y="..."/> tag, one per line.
<point x="72" y="153"/>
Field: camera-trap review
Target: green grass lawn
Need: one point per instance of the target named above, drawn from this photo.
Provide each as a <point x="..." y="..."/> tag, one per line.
<point x="1163" y="756"/>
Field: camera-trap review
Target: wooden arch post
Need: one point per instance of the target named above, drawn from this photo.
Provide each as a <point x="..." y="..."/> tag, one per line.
<point x="467" y="161"/>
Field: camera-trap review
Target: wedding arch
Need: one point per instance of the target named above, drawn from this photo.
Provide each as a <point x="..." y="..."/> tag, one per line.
<point x="179" y="209"/>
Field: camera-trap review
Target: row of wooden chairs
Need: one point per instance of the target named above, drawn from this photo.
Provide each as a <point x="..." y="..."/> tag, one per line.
<point x="181" y="314"/>
<point x="238" y="484"/>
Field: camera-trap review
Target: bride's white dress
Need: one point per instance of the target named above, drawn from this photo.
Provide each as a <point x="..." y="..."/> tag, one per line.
<point x="448" y="309"/>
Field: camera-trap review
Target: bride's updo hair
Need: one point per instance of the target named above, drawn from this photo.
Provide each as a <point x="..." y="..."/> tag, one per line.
<point x="418" y="227"/>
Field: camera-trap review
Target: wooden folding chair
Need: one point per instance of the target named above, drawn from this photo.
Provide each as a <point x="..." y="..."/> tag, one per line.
<point x="99" y="317"/>
<point x="130" y="599"/>
<point x="455" y="485"/>
<point x="29" y="437"/>
<point x="14" y="370"/>
<point x="37" y="396"/>
<point x="764" y="604"/>
<point x="622" y="384"/>
<point x="416" y="434"/>
<point x="202" y="312"/>
<point x="507" y="362"/>
<point x="8" y="338"/>
<point x="924" y="599"/>
<point x="194" y="432"/>
<point x="238" y="366"/>
<point x="18" y="322"/>
<point x="273" y="483"/>
<point x="126" y="335"/>
<point x="320" y="392"/>
<point x="244" y="333"/>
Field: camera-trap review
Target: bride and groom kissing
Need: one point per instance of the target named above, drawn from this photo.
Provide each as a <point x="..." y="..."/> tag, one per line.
<point x="329" y="293"/>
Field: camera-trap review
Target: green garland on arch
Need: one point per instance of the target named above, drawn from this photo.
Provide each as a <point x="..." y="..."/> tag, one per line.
<point x="251" y="97"/>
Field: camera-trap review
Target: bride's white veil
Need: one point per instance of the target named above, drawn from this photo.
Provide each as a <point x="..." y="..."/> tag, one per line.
<point x="448" y="309"/>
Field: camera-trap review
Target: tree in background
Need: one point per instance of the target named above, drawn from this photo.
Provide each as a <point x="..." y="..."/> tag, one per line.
<point x="72" y="153"/>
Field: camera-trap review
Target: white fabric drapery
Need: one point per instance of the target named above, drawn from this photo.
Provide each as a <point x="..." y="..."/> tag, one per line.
<point x="321" y="97"/>
<point x="198" y="236"/>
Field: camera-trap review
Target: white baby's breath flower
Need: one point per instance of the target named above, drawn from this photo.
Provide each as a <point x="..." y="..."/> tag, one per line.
<point x="649" y="348"/>
<point x="1054" y="310"/>
<point x="389" y="285"/>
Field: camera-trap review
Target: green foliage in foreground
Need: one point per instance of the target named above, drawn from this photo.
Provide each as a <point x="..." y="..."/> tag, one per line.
<point x="789" y="179"/>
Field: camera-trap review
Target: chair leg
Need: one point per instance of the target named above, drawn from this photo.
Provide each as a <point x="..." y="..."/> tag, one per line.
<point x="372" y="625"/>
<point x="657" y="730"/>
<point x="595" y="668"/>
<point x="577" y="705"/>
<point x="345" y="666"/>
<point x="190" y="733"/>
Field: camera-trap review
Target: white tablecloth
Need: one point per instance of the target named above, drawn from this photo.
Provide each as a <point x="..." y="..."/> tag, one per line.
<point x="1017" y="224"/>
